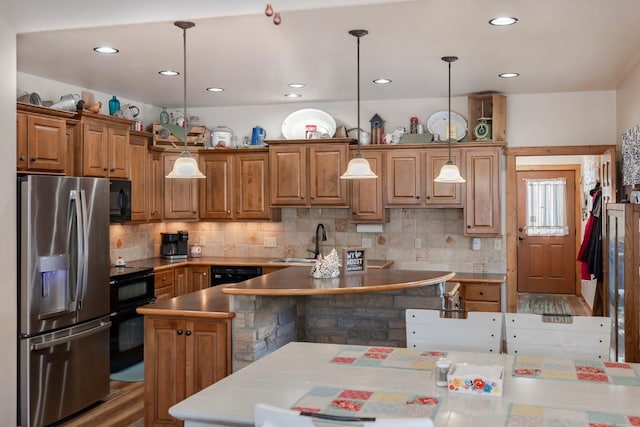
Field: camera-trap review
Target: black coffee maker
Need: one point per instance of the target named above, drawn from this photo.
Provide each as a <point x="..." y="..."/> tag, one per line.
<point x="174" y="245"/>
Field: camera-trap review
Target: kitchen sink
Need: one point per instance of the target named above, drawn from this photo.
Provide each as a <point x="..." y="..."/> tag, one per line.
<point x="294" y="260"/>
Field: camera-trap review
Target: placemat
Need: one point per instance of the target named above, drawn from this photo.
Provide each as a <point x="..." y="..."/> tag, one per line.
<point x="366" y="403"/>
<point x="527" y="416"/>
<point x="577" y="370"/>
<point x="387" y="357"/>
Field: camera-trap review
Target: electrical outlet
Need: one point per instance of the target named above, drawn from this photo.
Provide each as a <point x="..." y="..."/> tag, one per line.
<point x="366" y="242"/>
<point x="417" y="243"/>
<point x="270" y="242"/>
<point x="497" y="244"/>
<point x="203" y="240"/>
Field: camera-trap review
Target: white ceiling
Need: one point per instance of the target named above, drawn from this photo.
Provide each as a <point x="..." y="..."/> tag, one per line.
<point x="557" y="46"/>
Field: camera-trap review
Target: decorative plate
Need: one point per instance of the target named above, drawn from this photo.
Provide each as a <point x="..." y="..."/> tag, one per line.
<point x="437" y="125"/>
<point x="295" y="125"/>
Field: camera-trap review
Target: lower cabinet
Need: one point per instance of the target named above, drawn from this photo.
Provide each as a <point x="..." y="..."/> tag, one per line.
<point x="182" y="355"/>
<point x="481" y="297"/>
<point x="163" y="283"/>
<point x="199" y="277"/>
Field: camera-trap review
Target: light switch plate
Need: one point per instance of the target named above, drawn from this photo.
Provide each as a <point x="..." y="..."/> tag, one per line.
<point x="270" y="242"/>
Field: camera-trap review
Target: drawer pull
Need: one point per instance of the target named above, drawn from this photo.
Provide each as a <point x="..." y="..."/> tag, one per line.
<point x="179" y="331"/>
<point x="481" y="293"/>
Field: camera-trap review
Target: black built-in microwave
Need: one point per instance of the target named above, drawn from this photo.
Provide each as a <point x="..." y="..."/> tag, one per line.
<point x="120" y="201"/>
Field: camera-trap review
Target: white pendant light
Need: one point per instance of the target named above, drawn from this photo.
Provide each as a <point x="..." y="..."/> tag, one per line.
<point x="185" y="166"/>
<point x="358" y="167"/>
<point x="449" y="172"/>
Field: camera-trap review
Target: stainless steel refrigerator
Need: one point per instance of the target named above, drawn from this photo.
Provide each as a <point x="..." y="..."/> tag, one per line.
<point x="63" y="296"/>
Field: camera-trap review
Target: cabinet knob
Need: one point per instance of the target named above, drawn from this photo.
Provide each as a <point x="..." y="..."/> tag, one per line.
<point x="228" y="212"/>
<point x="105" y="169"/>
<point x="33" y="159"/>
<point x="164" y="279"/>
<point x="187" y="333"/>
<point x="417" y="197"/>
<point x="428" y="197"/>
<point x="204" y="274"/>
<point x="468" y="226"/>
<point x="194" y="212"/>
<point x="23" y="158"/>
<point x="112" y="169"/>
<point x="481" y="294"/>
<point x="179" y="332"/>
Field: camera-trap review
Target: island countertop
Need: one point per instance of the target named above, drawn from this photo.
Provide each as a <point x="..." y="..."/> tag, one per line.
<point x="298" y="281"/>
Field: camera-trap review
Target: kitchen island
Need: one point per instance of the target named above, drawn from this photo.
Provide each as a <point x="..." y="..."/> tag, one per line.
<point x="193" y="341"/>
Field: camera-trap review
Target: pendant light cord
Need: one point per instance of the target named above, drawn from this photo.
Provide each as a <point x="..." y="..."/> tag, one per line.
<point x="449" y="129"/>
<point x="358" y="34"/>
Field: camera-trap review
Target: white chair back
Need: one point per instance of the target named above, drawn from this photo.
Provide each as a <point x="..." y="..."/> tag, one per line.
<point x="271" y="416"/>
<point x="572" y="337"/>
<point x="480" y="331"/>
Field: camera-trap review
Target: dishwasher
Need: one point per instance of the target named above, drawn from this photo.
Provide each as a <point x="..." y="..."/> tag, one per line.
<point x="233" y="274"/>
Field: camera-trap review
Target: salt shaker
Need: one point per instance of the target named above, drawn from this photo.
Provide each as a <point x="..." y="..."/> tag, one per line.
<point x="441" y="371"/>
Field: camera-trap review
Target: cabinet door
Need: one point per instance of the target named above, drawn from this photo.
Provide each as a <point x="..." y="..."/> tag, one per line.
<point x="251" y="186"/>
<point x="207" y="354"/>
<point x="181" y="280"/>
<point x="404" y="178"/>
<point x="216" y="194"/>
<point x="155" y="180"/>
<point x="180" y="195"/>
<point x="439" y="194"/>
<point x="482" y="205"/>
<point x="95" y="148"/>
<point x="367" y="203"/>
<point x="165" y="361"/>
<point x="199" y="278"/>
<point x="326" y="164"/>
<point x="288" y="171"/>
<point x="21" y="141"/>
<point x="45" y="144"/>
<point x="118" y="153"/>
<point x="138" y="176"/>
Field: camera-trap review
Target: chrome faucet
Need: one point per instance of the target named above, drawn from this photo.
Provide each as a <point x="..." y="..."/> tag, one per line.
<point x="324" y="239"/>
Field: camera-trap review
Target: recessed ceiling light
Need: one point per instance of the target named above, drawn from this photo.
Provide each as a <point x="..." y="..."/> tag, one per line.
<point x="168" y="73"/>
<point x="382" y="81"/>
<point x="296" y="85"/>
<point x="215" y="89"/>
<point x="292" y="95"/>
<point x="106" y="49"/>
<point x="501" y="21"/>
<point x="508" y="75"/>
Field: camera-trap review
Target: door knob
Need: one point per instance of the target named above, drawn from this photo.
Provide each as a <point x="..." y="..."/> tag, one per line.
<point x="520" y="238"/>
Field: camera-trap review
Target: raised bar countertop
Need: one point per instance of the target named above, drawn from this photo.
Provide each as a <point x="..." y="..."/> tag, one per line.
<point x="297" y="281"/>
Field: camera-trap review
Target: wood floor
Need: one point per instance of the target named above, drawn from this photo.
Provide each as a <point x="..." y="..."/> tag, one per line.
<point x="123" y="407"/>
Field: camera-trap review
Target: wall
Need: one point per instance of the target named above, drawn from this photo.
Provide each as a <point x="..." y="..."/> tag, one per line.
<point x="8" y="261"/>
<point x="628" y="102"/>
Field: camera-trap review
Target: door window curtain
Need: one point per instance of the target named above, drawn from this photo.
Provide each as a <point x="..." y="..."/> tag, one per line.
<point x="546" y="207"/>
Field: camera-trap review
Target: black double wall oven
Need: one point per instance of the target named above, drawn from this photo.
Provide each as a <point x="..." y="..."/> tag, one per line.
<point x="131" y="287"/>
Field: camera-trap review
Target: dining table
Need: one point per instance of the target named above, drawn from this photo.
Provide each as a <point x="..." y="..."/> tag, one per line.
<point x="357" y="381"/>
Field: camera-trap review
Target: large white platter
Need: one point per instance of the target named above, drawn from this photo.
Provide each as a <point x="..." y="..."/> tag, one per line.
<point x="437" y="125"/>
<point x="294" y="126"/>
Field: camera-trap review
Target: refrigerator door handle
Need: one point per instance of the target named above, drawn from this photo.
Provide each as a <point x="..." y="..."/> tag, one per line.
<point x="75" y="216"/>
<point x="83" y="256"/>
<point x="101" y="327"/>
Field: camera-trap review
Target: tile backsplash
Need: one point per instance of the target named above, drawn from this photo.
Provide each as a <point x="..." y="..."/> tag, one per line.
<point x="414" y="239"/>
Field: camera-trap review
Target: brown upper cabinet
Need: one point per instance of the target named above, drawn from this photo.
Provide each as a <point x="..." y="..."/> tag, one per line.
<point x="482" y="205"/>
<point x="367" y="195"/>
<point x="180" y="195"/>
<point x="491" y="108"/>
<point x="41" y="140"/>
<point x="104" y="146"/>
<point x="410" y="178"/>
<point x="304" y="173"/>
<point x="236" y="185"/>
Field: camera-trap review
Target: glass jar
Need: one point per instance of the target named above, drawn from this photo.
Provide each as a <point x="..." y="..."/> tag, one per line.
<point x="164" y="117"/>
<point x="114" y="106"/>
<point x="441" y="371"/>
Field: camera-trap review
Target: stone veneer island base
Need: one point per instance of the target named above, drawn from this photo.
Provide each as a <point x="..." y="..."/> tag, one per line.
<point x="289" y="305"/>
